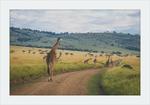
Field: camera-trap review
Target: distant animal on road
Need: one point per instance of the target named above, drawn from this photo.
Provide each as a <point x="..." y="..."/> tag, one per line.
<point x="86" y="61"/>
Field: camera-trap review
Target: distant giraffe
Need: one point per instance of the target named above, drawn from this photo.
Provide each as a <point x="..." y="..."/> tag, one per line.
<point x="51" y="59"/>
<point x="107" y="63"/>
<point x="95" y="61"/>
<point x="86" y="61"/>
<point x="111" y="63"/>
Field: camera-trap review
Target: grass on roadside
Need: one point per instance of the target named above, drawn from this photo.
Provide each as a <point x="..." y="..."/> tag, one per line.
<point x="94" y="84"/>
<point x="118" y="80"/>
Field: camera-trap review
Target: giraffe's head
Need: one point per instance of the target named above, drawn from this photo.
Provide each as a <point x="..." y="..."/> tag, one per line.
<point x="59" y="40"/>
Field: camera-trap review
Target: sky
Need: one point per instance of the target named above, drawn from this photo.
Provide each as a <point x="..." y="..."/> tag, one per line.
<point x="77" y="21"/>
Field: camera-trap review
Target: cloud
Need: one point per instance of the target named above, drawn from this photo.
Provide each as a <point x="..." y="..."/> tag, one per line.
<point x="137" y="14"/>
<point x="76" y="20"/>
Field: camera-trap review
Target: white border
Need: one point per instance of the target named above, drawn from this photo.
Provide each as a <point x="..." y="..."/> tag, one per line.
<point x="4" y="45"/>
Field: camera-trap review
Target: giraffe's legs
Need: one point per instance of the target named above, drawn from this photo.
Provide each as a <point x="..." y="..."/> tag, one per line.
<point x="51" y="71"/>
<point x="52" y="75"/>
<point x="95" y="65"/>
<point x="48" y="71"/>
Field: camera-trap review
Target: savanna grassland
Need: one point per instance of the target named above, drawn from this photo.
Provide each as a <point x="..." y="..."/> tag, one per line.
<point x="121" y="80"/>
<point x="26" y="63"/>
<point x="29" y="65"/>
<point x="28" y="47"/>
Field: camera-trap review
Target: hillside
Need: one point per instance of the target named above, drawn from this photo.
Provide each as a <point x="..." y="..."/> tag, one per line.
<point x="90" y="42"/>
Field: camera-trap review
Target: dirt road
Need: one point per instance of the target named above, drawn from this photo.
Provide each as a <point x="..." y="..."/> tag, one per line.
<point x="73" y="83"/>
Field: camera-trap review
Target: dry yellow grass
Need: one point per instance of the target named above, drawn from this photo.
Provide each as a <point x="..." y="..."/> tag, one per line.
<point x="23" y="64"/>
<point x="30" y="57"/>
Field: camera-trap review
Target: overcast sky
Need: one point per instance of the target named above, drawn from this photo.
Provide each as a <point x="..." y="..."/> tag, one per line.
<point x="126" y="21"/>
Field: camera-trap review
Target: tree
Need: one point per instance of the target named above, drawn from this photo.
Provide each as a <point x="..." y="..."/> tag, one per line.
<point x="29" y="52"/>
<point x="95" y="51"/>
<point x="102" y="51"/>
<point x="118" y="52"/>
<point x="91" y="54"/>
<point x="86" y="50"/>
<point x="23" y="51"/>
<point x="71" y="54"/>
<point x="114" y="31"/>
<point x="60" y="53"/>
<point x="112" y="44"/>
<point x="65" y="32"/>
<point x="41" y="53"/>
<point x="33" y="52"/>
<point x="100" y="55"/>
<point x="91" y="50"/>
<point x="12" y="51"/>
<point x="66" y="53"/>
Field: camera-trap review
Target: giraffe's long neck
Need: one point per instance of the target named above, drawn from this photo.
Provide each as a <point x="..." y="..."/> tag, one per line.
<point x="56" y="45"/>
<point x="108" y="59"/>
<point x="88" y="59"/>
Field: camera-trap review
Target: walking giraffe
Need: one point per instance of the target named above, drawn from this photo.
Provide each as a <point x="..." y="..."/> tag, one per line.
<point x="45" y="57"/>
<point x="58" y="58"/>
<point x="107" y="63"/>
<point x="86" y="61"/>
<point x="95" y="61"/>
<point x="51" y="60"/>
<point x="111" y="63"/>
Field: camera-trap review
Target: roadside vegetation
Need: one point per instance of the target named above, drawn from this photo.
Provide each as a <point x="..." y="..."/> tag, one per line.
<point x="121" y="80"/>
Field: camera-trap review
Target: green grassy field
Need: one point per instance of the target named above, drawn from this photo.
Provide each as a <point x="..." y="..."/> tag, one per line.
<point x="118" y="80"/>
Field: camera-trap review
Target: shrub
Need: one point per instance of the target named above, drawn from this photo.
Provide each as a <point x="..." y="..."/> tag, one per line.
<point x="127" y="66"/>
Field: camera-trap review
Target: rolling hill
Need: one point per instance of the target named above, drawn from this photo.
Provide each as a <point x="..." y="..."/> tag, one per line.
<point x="91" y="42"/>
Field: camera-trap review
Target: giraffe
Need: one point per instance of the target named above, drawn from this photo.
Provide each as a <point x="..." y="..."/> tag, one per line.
<point x="58" y="58"/>
<point x="107" y="63"/>
<point x="45" y="57"/>
<point x="86" y="61"/>
<point x="111" y="63"/>
<point x="95" y="61"/>
<point x="51" y="59"/>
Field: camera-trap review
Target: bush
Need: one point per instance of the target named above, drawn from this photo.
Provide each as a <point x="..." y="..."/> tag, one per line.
<point x="127" y="66"/>
<point x="112" y="44"/>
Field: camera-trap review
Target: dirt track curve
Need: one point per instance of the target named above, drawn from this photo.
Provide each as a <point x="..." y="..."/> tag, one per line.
<point x="73" y="83"/>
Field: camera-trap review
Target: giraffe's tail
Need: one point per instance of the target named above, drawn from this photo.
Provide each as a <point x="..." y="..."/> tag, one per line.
<point x="44" y="57"/>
